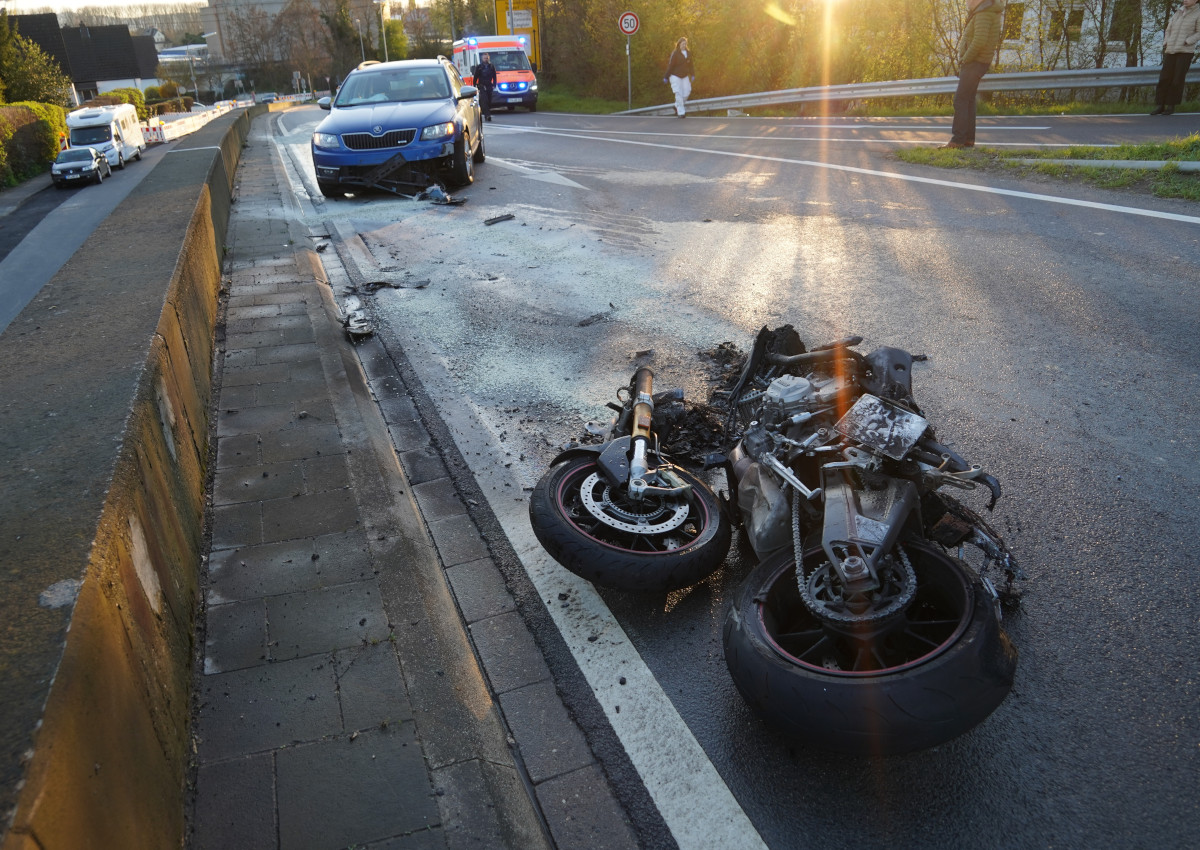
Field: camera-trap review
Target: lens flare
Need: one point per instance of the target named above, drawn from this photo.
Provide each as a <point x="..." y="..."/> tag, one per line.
<point x="773" y="11"/>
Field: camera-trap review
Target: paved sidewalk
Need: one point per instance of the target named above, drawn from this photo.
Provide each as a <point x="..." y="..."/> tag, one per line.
<point x="342" y="700"/>
<point x="12" y="198"/>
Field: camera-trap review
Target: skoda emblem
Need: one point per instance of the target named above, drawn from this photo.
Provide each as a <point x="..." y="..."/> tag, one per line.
<point x="377" y="130"/>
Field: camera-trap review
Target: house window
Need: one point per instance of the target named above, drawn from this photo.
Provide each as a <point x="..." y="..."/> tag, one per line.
<point x="1014" y="14"/>
<point x="1066" y="24"/>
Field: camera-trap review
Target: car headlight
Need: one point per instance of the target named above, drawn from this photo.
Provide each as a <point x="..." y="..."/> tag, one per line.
<point x="438" y="131"/>
<point x="533" y="86"/>
<point x="89" y="166"/>
<point x="326" y="140"/>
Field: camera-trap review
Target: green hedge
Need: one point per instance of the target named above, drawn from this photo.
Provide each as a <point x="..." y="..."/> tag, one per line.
<point x="29" y="139"/>
<point x="116" y="96"/>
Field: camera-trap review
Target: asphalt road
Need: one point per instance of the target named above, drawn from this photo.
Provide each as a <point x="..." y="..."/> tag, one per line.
<point x="38" y="237"/>
<point x="1060" y="324"/>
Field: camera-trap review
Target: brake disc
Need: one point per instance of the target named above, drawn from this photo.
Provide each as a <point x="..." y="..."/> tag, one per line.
<point x="650" y="517"/>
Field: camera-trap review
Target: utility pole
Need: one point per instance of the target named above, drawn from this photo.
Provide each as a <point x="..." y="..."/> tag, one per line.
<point x="382" y="27"/>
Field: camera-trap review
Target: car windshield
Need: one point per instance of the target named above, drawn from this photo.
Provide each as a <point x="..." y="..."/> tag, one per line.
<point x="91" y="135"/>
<point x="394" y="86"/>
<point x="510" y="60"/>
<point x="75" y="155"/>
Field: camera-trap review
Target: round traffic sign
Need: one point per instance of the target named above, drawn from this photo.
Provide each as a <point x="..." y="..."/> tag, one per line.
<point x="629" y="23"/>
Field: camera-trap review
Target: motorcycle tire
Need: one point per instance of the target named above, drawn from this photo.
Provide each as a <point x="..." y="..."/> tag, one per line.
<point x="792" y="668"/>
<point x="610" y="557"/>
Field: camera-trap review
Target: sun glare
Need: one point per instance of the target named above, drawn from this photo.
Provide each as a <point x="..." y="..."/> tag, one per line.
<point x="778" y="14"/>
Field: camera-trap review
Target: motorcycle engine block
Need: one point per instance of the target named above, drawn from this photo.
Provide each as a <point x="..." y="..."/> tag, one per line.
<point x="785" y="397"/>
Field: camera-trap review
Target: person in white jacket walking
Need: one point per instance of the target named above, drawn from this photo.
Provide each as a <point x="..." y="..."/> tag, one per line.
<point x="1180" y="42"/>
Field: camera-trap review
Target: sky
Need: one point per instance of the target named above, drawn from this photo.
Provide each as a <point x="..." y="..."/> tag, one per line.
<point x="26" y="6"/>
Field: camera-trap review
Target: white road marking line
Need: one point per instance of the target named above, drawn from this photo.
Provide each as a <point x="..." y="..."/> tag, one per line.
<point x="690" y="794"/>
<point x="534" y="174"/>
<point x="832" y="139"/>
<point x="940" y="128"/>
<point x="892" y="175"/>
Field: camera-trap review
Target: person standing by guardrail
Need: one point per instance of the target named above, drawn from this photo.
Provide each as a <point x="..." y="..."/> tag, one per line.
<point x="681" y="73"/>
<point x="1179" y="48"/>
<point x="980" y="38"/>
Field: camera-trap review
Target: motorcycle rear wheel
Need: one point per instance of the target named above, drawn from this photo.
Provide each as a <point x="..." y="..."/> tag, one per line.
<point x="941" y="671"/>
<point x="611" y="557"/>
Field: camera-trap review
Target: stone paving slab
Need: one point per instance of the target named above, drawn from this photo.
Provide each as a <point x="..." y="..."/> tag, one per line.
<point x="315" y="513"/>
<point x="258" y="482"/>
<point x="510" y="656"/>
<point x="238" y="809"/>
<point x="480" y="590"/>
<point x="267" y="707"/>
<point x="326" y="619"/>
<point x="373" y="787"/>
<point x="578" y="818"/>
<point x="458" y="540"/>
<point x="551" y="744"/>
<point x="290" y="566"/>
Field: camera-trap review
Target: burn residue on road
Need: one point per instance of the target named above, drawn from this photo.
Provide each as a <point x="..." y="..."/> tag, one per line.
<point x="688" y="430"/>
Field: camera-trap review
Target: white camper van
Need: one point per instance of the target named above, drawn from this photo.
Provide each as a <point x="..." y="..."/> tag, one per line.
<point x="112" y="130"/>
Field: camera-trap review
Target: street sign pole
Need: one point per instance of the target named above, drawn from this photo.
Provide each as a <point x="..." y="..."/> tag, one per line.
<point x="629" y="70"/>
<point x="628" y="23"/>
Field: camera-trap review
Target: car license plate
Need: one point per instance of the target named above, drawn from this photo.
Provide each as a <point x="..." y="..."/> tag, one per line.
<point x="514" y="100"/>
<point x="74" y="176"/>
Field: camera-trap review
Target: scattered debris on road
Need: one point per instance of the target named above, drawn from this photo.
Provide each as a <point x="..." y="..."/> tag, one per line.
<point x="355" y="321"/>
<point x="506" y="217"/>
<point x="598" y="317"/>
<point x="437" y="195"/>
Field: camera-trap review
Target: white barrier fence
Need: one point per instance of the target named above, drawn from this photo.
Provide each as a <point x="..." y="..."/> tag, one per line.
<point x="173" y="125"/>
<point x="164" y="128"/>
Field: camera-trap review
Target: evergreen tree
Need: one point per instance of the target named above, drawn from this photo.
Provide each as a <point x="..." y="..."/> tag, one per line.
<point x="28" y="73"/>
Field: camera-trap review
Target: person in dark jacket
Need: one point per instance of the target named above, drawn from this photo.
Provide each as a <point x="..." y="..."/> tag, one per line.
<point x="681" y="73"/>
<point x="484" y="77"/>
<point x="980" y="38"/>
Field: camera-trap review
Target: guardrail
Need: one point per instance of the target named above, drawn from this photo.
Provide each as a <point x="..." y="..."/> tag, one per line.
<point x="1020" y="81"/>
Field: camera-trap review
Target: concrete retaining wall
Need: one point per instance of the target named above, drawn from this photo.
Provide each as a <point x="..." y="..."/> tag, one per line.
<point x="105" y="391"/>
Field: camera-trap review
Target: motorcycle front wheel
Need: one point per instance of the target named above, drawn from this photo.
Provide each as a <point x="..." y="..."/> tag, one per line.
<point x="932" y="675"/>
<point x="598" y="532"/>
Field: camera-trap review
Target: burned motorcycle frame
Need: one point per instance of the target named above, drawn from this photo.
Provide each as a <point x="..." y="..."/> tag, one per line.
<point x="863" y="629"/>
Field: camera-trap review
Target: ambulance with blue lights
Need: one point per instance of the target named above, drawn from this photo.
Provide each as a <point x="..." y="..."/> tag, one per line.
<point x="516" y="84"/>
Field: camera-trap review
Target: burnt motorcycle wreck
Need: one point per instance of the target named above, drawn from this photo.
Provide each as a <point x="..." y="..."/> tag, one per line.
<point x="866" y="626"/>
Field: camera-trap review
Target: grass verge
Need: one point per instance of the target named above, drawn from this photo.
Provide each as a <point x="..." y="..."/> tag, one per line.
<point x="559" y="99"/>
<point x="1168" y="182"/>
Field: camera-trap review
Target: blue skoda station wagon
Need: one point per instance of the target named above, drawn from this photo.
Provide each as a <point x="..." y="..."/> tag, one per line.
<point x="398" y="126"/>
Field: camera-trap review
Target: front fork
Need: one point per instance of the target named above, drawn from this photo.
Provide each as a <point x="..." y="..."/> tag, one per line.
<point x="644" y="480"/>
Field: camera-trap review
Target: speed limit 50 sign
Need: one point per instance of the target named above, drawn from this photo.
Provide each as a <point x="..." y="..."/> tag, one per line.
<point x="629" y="23"/>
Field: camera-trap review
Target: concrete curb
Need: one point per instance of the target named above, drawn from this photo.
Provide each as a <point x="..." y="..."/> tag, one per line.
<point x="1144" y="164"/>
<point x="102" y="478"/>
